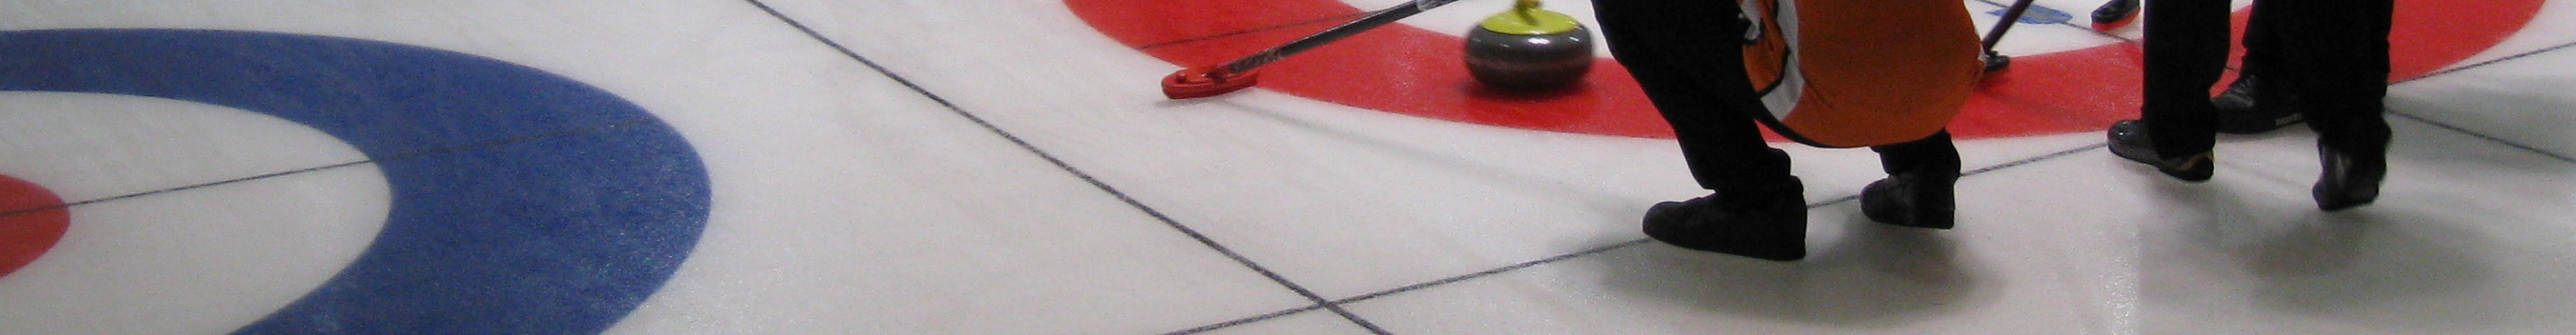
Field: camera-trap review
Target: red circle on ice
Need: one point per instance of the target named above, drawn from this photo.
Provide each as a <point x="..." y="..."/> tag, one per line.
<point x="1413" y="71"/>
<point x="31" y="220"/>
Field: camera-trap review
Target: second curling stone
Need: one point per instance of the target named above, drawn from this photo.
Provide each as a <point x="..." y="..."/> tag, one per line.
<point x="1529" y="49"/>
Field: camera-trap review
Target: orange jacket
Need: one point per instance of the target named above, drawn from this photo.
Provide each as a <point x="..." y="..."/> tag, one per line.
<point x="1849" y="73"/>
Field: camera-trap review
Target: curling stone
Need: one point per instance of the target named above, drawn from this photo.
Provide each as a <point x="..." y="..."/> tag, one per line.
<point x="1529" y="49"/>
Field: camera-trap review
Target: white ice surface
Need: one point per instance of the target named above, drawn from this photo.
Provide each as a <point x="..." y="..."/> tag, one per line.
<point x="212" y="256"/>
<point x="846" y="202"/>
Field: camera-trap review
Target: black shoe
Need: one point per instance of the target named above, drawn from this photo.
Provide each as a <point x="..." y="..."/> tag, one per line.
<point x="2350" y="179"/>
<point x="2129" y="140"/>
<point x="1765" y="224"/>
<point x="2239" y="112"/>
<point x="1920" y="199"/>
<point x="2115" y="12"/>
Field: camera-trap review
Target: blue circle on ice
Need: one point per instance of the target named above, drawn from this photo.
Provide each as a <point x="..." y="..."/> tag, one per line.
<point x="2037" y="15"/>
<point x="523" y="201"/>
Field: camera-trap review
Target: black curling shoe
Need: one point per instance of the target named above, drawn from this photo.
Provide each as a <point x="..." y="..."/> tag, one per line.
<point x="2241" y="112"/>
<point x="1767" y="225"/>
<point x="1920" y="199"/>
<point x="2129" y="140"/>
<point x="2115" y="12"/>
<point x="2349" y="180"/>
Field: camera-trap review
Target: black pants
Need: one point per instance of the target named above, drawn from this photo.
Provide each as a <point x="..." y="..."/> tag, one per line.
<point x="2330" y="55"/>
<point x="1688" y="56"/>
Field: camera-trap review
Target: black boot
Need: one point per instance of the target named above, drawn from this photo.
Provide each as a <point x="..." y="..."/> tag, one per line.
<point x="1921" y="199"/>
<point x="1759" y="222"/>
<point x="2240" y="111"/>
<point x="2115" y="13"/>
<point x="2129" y="140"/>
<point x="2350" y="180"/>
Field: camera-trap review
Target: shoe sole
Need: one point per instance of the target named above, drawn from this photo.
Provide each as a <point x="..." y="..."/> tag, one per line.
<point x="1896" y="215"/>
<point x="1665" y="228"/>
<point x="2330" y="200"/>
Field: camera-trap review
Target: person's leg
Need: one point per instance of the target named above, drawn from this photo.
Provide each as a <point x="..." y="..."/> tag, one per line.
<point x="1693" y="72"/>
<point x="1918" y="191"/>
<point x="2186" y="50"/>
<point x="2250" y="106"/>
<point x="2334" y="59"/>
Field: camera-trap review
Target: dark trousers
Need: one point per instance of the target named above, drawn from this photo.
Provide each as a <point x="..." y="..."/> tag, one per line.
<point x="2329" y="55"/>
<point x="1688" y="56"/>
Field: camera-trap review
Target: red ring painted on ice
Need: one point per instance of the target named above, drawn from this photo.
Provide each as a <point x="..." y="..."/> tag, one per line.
<point x="25" y="236"/>
<point x="1409" y="70"/>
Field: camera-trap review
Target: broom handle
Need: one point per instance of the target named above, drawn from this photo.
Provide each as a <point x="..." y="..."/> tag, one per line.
<point x="1379" y="18"/>
<point x="2011" y="16"/>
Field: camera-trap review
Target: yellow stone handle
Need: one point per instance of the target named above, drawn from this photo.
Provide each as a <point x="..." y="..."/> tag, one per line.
<point x="1528" y="9"/>
<point x="1525" y="18"/>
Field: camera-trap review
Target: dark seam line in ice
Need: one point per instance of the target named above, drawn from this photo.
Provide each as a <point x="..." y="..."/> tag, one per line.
<point x="2028" y="161"/>
<point x="1242" y="321"/>
<point x="1481" y="274"/>
<point x="1122" y="196"/>
<point x="2457" y="129"/>
<point x="1593" y="251"/>
<point x="2471" y="133"/>
<point x="1249" y="31"/>
<point x="2485" y="63"/>
<point x="395" y="157"/>
<point x="181" y="188"/>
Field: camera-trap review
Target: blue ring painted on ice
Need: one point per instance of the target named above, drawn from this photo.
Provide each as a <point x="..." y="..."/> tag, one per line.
<point x="523" y="202"/>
